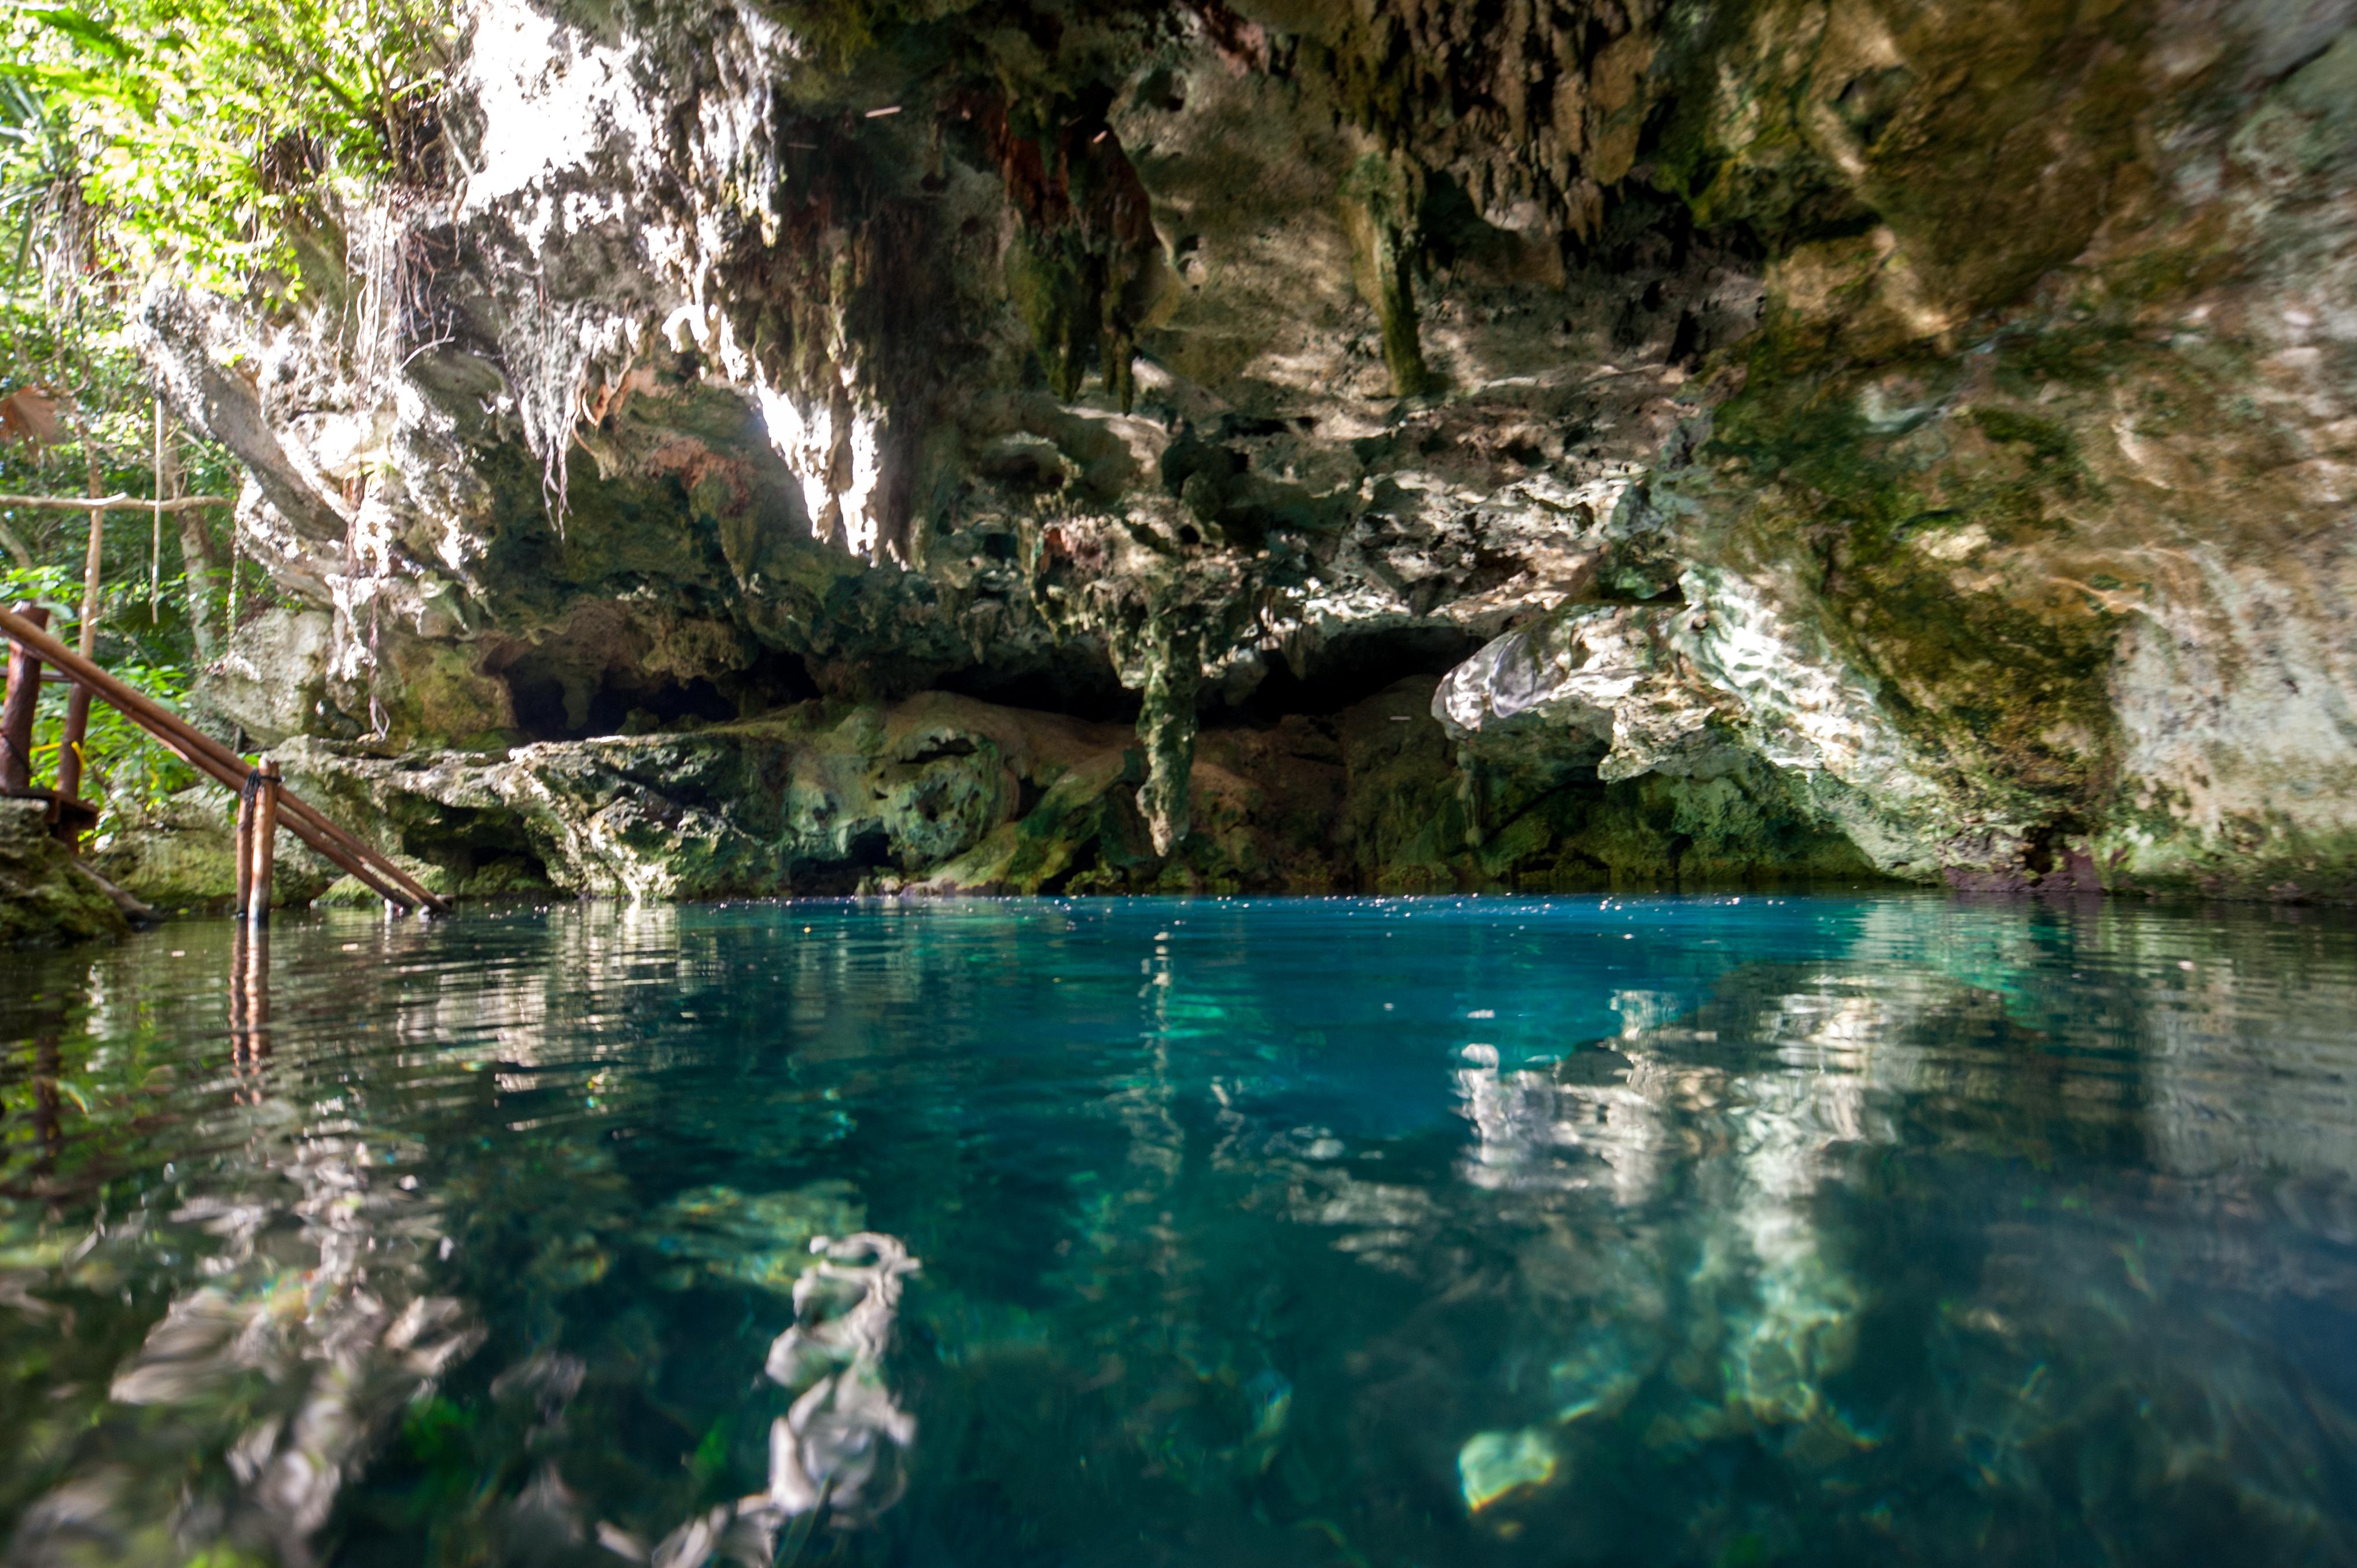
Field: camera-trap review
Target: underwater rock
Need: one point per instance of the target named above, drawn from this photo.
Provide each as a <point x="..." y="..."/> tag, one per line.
<point x="840" y="1445"/>
<point x="761" y="1239"/>
<point x="1494" y="1464"/>
<point x="840" y="1448"/>
<point x="273" y="1376"/>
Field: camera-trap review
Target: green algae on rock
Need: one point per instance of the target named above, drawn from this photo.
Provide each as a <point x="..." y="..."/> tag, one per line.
<point x="44" y="895"/>
<point x="181" y="856"/>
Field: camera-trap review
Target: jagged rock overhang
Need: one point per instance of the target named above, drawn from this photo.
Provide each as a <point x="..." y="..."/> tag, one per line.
<point x="1197" y="340"/>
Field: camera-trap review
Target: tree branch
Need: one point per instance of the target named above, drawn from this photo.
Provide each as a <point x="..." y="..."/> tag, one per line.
<point x="16" y="547"/>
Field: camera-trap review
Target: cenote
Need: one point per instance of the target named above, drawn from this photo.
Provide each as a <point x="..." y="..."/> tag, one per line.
<point x="1212" y="783"/>
<point x="1710" y="1230"/>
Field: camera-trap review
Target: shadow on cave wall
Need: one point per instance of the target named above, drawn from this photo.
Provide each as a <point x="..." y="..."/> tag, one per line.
<point x="484" y="850"/>
<point x="559" y="692"/>
<point x="1344" y="672"/>
<point x="1334" y="774"/>
<point x="1076" y="679"/>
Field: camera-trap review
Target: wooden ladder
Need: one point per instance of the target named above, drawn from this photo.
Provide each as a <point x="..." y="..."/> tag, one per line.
<point x="265" y="804"/>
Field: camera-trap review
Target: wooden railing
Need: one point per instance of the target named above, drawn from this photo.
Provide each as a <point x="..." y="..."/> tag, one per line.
<point x="265" y="804"/>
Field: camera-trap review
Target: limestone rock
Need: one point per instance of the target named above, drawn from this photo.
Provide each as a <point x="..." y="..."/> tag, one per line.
<point x="44" y="895"/>
<point x="271" y="682"/>
<point x="1931" y="425"/>
<point x="816" y="798"/>
<point x="181" y="856"/>
<point x="1600" y="683"/>
<point x="946" y="794"/>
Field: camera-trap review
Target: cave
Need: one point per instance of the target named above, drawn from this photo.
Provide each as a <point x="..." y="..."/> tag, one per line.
<point x="1088" y="387"/>
<point x="557" y="694"/>
<point x="1419" y="782"/>
<point x="1345" y="671"/>
<point x="1078" y="680"/>
<point x="487" y="849"/>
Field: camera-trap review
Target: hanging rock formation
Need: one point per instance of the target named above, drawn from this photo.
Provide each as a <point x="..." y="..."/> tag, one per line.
<point x="1385" y="444"/>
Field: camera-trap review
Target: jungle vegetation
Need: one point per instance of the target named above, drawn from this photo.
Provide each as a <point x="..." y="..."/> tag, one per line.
<point x="219" y="146"/>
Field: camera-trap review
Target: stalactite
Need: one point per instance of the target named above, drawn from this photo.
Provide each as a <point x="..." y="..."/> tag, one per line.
<point x="1165" y="724"/>
<point x="1386" y="193"/>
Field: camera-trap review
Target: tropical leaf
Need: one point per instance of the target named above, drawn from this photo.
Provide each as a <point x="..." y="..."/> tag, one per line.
<point x="83" y="29"/>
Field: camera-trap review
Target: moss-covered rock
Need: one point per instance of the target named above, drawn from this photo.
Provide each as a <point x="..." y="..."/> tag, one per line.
<point x="181" y="857"/>
<point x="946" y="794"/>
<point x="44" y="895"/>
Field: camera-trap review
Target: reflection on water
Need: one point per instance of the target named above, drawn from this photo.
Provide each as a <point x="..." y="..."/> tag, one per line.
<point x="1709" y="1230"/>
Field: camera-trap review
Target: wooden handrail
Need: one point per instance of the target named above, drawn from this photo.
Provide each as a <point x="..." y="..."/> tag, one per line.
<point x="117" y="502"/>
<point x="210" y="756"/>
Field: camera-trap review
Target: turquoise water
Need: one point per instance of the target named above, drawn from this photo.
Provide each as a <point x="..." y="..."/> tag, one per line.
<point x="1351" y="1233"/>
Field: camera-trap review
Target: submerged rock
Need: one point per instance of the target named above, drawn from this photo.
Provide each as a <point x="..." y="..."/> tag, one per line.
<point x="842" y="1449"/>
<point x="762" y="1239"/>
<point x="1494" y="1464"/>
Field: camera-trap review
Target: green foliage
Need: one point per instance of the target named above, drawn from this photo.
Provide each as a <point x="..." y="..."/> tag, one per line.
<point x="41" y="585"/>
<point x="220" y="1556"/>
<point x="203" y="131"/>
<point x="118" y="757"/>
<point x="194" y="140"/>
<point x="66" y="339"/>
<point x="120" y="763"/>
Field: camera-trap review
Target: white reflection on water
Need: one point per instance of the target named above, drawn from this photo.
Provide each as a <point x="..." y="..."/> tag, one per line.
<point x="307" y="1337"/>
<point x="1769" y="1100"/>
<point x="841" y="1447"/>
<point x="1768" y="1318"/>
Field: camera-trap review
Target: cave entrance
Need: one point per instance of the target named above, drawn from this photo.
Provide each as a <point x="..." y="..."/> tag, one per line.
<point x="484" y="850"/>
<point x="1077" y="679"/>
<point x="1346" y="671"/>
<point x="559" y="694"/>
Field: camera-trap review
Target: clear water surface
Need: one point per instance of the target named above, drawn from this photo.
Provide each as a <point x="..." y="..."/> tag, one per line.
<point x="1348" y="1232"/>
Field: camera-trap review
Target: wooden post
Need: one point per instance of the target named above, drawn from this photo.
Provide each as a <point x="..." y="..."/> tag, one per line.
<point x="69" y="758"/>
<point x="266" y="843"/>
<point x="155" y="517"/>
<point x="16" y="714"/>
<point x="248" y="1006"/>
<point x="248" y="800"/>
<point x="237" y="985"/>
<point x="70" y="744"/>
<point x="257" y="997"/>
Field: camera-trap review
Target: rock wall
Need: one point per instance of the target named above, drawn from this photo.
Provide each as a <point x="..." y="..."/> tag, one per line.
<point x="1403" y="443"/>
<point x="44" y="892"/>
<point x="943" y="793"/>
